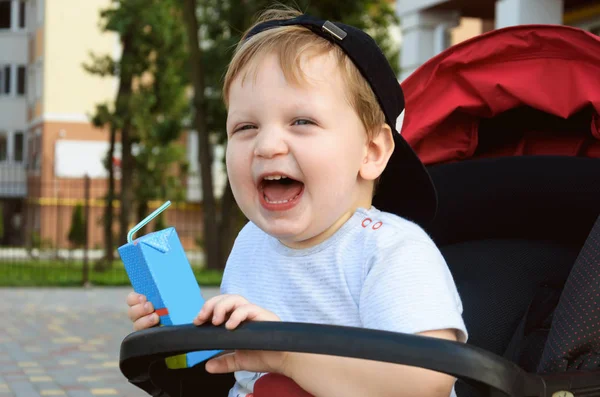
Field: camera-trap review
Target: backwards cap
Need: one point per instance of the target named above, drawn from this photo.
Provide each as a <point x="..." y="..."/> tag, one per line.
<point x="405" y="187"/>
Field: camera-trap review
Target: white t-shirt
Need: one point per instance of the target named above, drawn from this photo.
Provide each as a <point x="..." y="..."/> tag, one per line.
<point x="377" y="271"/>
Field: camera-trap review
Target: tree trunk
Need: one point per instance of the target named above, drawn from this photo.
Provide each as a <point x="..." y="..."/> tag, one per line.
<point x="211" y="235"/>
<point x="231" y="222"/>
<point x="108" y="210"/>
<point x="142" y="212"/>
<point x="127" y="166"/>
<point x="126" y="181"/>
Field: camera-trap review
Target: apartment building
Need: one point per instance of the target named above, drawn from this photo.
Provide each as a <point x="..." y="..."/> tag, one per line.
<point x="46" y="98"/>
<point x="14" y="76"/>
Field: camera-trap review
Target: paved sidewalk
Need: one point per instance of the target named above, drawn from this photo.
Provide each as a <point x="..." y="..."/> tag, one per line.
<point x="64" y="342"/>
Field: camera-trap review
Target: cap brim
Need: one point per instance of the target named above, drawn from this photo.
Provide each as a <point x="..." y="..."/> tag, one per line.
<point x="405" y="187"/>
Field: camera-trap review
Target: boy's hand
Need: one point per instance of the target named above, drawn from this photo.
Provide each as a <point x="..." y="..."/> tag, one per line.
<point x="141" y="312"/>
<point x="233" y="310"/>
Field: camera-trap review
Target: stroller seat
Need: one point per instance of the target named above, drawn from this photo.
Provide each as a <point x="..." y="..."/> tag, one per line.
<point x="508" y="123"/>
<point x="523" y="222"/>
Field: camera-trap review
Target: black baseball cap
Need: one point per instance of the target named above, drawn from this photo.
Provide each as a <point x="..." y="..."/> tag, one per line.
<point x="405" y="187"/>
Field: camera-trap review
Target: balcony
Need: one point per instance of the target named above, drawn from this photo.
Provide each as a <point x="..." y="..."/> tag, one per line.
<point x="13" y="112"/>
<point x="14" y="41"/>
<point x="13" y="180"/>
<point x="14" y="46"/>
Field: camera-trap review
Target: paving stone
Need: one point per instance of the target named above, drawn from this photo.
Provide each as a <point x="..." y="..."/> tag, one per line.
<point x="56" y="338"/>
<point x="12" y="378"/>
<point x="23" y="389"/>
<point x="79" y="393"/>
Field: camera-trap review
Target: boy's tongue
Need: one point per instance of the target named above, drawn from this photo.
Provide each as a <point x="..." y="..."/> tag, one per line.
<point x="277" y="191"/>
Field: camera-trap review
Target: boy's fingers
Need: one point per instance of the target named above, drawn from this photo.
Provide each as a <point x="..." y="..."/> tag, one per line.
<point x="216" y="305"/>
<point x="225" y="306"/>
<point x="222" y="364"/>
<point x="133" y="313"/>
<point x="207" y="309"/>
<point x="137" y="311"/>
<point x="133" y="298"/>
<point x="241" y="314"/>
<point x="240" y="360"/>
<point x="209" y="305"/>
<point x="145" y="322"/>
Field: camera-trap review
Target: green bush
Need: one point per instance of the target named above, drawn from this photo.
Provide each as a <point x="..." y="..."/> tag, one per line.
<point x="78" y="232"/>
<point x="55" y="273"/>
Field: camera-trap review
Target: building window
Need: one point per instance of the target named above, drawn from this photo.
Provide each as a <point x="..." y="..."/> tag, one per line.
<point x="3" y="146"/>
<point x="4" y="79"/>
<point x="22" y="14"/>
<point x="7" y="76"/>
<point x="7" y="79"/>
<point x="21" y="72"/>
<point x="19" y="146"/>
<point x="12" y="17"/>
<point x="5" y="14"/>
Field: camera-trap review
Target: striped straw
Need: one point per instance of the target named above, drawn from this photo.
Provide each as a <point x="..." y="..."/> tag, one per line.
<point x="146" y="220"/>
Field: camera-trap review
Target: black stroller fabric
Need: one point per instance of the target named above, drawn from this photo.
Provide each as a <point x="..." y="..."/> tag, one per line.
<point x="574" y="339"/>
<point x="523" y="224"/>
<point x="511" y="230"/>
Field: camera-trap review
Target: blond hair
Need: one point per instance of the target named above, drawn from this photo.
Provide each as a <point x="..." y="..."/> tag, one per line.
<point x="290" y="43"/>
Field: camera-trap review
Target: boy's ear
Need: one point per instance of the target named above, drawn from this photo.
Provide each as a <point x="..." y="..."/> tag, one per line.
<point x="379" y="150"/>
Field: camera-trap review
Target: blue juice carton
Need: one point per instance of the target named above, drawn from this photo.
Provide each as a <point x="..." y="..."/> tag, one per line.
<point x="158" y="268"/>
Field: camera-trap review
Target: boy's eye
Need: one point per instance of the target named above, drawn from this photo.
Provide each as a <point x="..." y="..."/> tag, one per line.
<point x="244" y="127"/>
<point x="303" y="122"/>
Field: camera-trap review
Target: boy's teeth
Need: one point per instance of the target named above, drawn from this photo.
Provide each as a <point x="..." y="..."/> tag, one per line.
<point x="275" y="177"/>
<point x="279" y="201"/>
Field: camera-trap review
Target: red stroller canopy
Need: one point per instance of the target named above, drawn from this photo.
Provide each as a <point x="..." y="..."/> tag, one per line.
<point x="551" y="68"/>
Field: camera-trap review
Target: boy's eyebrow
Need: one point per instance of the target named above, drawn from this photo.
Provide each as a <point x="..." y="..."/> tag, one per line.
<point x="232" y="114"/>
<point x="291" y="106"/>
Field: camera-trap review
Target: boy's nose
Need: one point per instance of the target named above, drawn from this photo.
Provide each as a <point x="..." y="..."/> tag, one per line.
<point x="270" y="144"/>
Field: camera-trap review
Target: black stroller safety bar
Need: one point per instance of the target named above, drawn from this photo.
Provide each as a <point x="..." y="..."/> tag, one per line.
<point x="140" y="350"/>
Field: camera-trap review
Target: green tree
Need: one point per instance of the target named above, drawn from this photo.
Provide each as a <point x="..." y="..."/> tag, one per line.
<point x="78" y="233"/>
<point x="162" y="107"/>
<point x="149" y="107"/>
<point x="218" y="25"/>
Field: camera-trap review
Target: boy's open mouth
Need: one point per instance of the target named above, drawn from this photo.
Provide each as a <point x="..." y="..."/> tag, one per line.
<point x="280" y="189"/>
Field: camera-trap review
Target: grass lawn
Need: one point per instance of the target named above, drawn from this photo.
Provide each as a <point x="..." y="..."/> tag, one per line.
<point x="46" y="273"/>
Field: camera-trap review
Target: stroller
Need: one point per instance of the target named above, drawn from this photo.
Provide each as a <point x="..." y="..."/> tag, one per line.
<point x="508" y="124"/>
